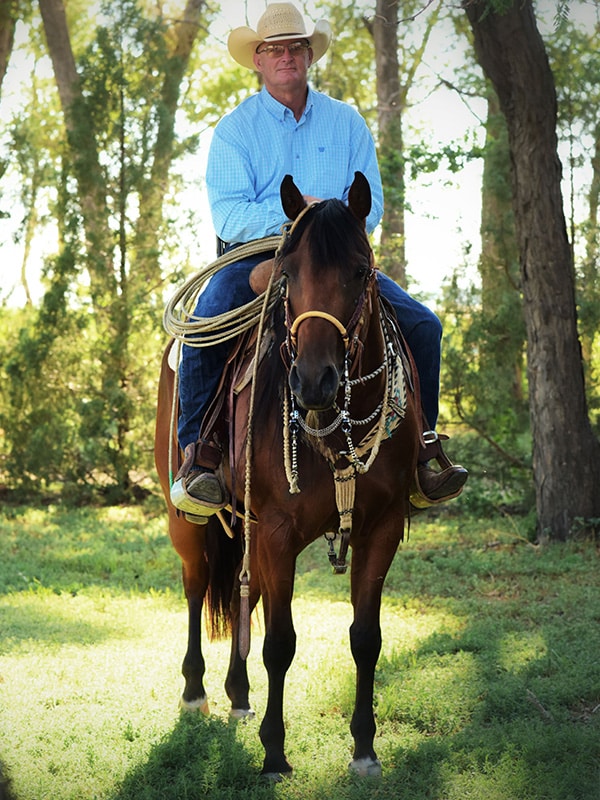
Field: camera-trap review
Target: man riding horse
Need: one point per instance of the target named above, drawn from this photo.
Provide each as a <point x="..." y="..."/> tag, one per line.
<point x="289" y="128"/>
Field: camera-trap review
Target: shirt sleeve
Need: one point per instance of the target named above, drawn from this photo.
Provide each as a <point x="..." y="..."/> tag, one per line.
<point x="238" y="214"/>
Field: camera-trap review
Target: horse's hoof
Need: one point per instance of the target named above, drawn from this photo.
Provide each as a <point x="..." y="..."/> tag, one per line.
<point x="242" y="714"/>
<point x="366" y="767"/>
<point x="200" y="705"/>
<point x="274" y="777"/>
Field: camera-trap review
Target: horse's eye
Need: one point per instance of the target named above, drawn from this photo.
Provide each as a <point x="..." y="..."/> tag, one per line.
<point x="288" y="272"/>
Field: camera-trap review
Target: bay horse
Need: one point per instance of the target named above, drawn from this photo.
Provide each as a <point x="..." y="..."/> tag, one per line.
<point x="313" y="470"/>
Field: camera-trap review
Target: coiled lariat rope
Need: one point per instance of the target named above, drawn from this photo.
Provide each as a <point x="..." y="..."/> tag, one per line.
<point x="180" y="321"/>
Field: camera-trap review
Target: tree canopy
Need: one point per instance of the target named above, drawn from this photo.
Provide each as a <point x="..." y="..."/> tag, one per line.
<point x="106" y="117"/>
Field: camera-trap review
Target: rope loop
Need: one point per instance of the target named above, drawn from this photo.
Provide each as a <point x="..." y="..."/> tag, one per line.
<point x="179" y="320"/>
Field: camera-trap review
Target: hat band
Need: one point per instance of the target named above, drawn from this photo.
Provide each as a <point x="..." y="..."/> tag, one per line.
<point x="289" y="35"/>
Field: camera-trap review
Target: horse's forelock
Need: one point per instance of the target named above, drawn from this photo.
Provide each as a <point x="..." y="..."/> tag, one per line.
<point x="335" y="234"/>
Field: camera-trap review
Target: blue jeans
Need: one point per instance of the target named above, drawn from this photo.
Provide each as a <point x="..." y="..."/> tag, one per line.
<point x="201" y="367"/>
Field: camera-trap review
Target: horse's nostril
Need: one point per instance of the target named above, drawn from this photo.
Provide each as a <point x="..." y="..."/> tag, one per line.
<point x="330" y="383"/>
<point x="314" y="391"/>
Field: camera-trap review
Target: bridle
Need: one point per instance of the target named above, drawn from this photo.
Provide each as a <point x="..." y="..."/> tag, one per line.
<point x="390" y="410"/>
<point x="349" y="332"/>
<point x="345" y="331"/>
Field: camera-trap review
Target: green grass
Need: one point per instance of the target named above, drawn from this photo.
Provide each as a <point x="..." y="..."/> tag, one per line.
<point x="488" y="686"/>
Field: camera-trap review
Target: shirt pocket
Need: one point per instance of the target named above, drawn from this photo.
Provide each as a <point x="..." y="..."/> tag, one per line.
<point x="331" y="170"/>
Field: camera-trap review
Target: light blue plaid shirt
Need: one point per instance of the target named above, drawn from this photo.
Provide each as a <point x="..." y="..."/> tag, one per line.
<point x="259" y="142"/>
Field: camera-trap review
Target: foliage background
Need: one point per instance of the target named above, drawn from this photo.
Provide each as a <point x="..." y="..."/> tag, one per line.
<point x="79" y="355"/>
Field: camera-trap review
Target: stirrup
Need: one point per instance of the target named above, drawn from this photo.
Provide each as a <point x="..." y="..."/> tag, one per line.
<point x="421" y="501"/>
<point x="433" y="448"/>
<point x="201" y="453"/>
<point x="191" y="507"/>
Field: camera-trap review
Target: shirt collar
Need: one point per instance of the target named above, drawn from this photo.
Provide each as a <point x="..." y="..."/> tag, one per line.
<point x="278" y="110"/>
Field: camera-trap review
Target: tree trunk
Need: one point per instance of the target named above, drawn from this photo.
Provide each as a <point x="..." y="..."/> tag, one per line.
<point x="84" y="151"/>
<point x="566" y="456"/>
<point x="502" y="347"/>
<point x="8" y="16"/>
<point x="395" y="78"/>
<point x="148" y="234"/>
<point x="390" y="107"/>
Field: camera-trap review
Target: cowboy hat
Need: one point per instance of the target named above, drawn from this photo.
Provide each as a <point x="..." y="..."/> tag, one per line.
<point x="280" y="22"/>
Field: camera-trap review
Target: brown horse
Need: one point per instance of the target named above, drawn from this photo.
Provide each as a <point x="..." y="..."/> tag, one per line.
<point x="335" y="435"/>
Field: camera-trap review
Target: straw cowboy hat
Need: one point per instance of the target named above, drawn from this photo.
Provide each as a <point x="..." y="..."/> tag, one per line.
<point x="281" y="21"/>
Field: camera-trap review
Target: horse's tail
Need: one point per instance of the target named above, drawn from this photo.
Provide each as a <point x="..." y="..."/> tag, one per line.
<point x="224" y="564"/>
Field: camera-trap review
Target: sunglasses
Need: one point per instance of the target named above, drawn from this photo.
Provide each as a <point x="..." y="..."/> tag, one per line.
<point x="277" y="50"/>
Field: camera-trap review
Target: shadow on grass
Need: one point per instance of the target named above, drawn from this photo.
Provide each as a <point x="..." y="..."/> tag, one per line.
<point x="5" y="793"/>
<point x="520" y="722"/>
<point x="415" y="775"/>
<point x="22" y="623"/>
<point x="201" y="757"/>
<point x="77" y="550"/>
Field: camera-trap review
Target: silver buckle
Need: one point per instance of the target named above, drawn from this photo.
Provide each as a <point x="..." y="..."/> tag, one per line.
<point x="429" y="437"/>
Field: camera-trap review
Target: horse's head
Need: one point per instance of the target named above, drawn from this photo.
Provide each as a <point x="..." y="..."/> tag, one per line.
<point x="327" y="262"/>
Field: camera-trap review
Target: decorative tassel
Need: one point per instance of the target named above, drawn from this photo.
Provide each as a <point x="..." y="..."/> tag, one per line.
<point x="244" y="632"/>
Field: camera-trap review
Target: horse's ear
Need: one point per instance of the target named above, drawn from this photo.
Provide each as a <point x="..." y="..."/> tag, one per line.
<point x="359" y="196"/>
<point x="291" y="198"/>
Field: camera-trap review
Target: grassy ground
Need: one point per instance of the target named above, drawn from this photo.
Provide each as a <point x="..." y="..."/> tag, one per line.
<point x="488" y="686"/>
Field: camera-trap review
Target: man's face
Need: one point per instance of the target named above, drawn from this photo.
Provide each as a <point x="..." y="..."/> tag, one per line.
<point x="284" y="65"/>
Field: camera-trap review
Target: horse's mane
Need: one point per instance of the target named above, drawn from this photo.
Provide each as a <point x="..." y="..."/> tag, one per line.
<point x="335" y="234"/>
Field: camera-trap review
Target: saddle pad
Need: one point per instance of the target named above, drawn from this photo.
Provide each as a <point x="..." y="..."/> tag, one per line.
<point x="174" y="356"/>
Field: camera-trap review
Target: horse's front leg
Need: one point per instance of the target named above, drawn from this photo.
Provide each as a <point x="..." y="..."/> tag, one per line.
<point x="277" y="580"/>
<point x="188" y="541"/>
<point x="371" y="559"/>
<point x="365" y="643"/>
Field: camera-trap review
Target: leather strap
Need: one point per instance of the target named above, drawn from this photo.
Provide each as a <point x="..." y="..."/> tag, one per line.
<point x="207" y="454"/>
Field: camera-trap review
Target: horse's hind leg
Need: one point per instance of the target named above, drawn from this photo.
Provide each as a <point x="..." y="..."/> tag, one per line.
<point x="188" y="541"/>
<point x="237" y="685"/>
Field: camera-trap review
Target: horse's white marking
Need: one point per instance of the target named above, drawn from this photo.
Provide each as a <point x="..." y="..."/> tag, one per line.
<point x="242" y="713"/>
<point x="194" y="706"/>
<point x="366" y="767"/>
<point x="274" y="777"/>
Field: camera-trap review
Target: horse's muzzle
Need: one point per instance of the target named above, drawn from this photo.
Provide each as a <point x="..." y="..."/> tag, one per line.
<point x="314" y="391"/>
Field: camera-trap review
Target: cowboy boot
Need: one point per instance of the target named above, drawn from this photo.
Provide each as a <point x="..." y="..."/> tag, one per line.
<point x="197" y="490"/>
